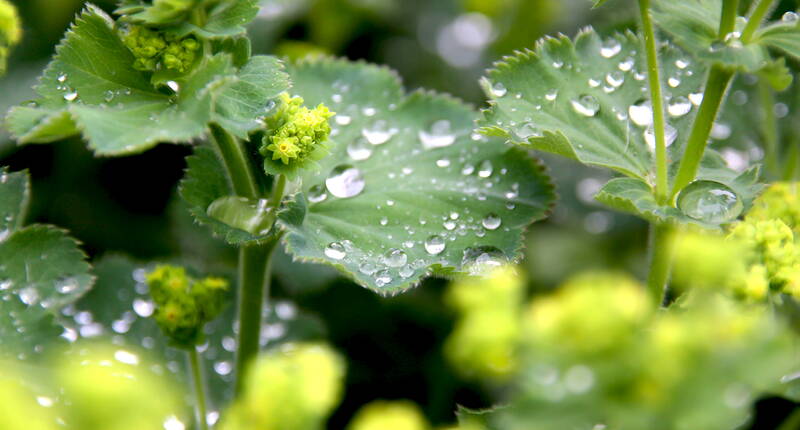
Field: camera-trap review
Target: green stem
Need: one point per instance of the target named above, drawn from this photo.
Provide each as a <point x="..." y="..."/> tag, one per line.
<point x="756" y="18"/>
<point x="660" y="251"/>
<point x="199" y="388"/>
<point x="716" y="85"/>
<point x="791" y="422"/>
<point x="236" y="163"/>
<point x="254" y="278"/>
<point x="791" y="170"/>
<point x="769" y="127"/>
<point x="278" y="188"/>
<point x="656" y="100"/>
<point x="727" y="23"/>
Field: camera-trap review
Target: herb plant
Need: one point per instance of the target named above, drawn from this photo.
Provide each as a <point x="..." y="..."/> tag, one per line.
<point x="333" y="161"/>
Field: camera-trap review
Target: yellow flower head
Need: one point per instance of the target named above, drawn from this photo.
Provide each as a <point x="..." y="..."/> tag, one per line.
<point x="389" y="415"/>
<point x="295" y="132"/>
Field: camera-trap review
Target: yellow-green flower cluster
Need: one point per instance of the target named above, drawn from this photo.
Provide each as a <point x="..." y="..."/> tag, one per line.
<point x="591" y="314"/>
<point x="484" y="341"/>
<point x="294" y="388"/>
<point x="156" y="50"/>
<point x="184" y="305"/>
<point x="780" y="201"/>
<point x="10" y="31"/>
<point x="295" y="131"/>
<point x="389" y="415"/>
<point x="773" y="257"/>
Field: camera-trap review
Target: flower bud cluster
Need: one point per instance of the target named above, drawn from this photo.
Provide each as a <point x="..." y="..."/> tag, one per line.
<point x="184" y="305"/>
<point x="156" y="50"/>
<point x="295" y="131"/>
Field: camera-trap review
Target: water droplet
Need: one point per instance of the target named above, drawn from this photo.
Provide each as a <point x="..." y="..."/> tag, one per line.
<point x="369" y="111"/>
<point x="335" y="250"/>
<point x="395" y="258"/>
<point x="710" y="201"/>
<point x="174" y="86"/>
<point x="681" y="64"/>
<point x="527" y="130"/>
<point x="109" y="96"/>
<point x="790" y="17"/>
<point x="406" y="271"/>
<point x="438" y="136"/>
<point x="317" y="194"/>
<point x="143" y="308"/>
<point x="245" y="214"/>
<point x="345" y="181"/>
<point x="720" y="131"/>
<point x="673" y="82"/>
<point x="679" y="106"/>
<point x="29" y="296"/>
<point x="615" y="79"/>
<point x="383" y="278"/>
<point x="44" y="402"/>
<point x="359" y="150"/>
<point x="5" y="284"/>
<point x="499" y="90"/>
<point x="670" y="134"/>
<point x="126" y="357"/>
<point x="485" y="169"/>
<point x="67" y="285"/>
<point x="434" y="245"/>
<point x="62" y="77"/>
<point x="610" y="48"/>
<point x="379" y="132"/>
<point x="223" y="367"/>
<point x="641" y="113"/>
<point x="696" y="98"/>
<point x="343" y="119"/>
<point x="551" y="95"/>
<point x="480" y="259"/>
<point x="71" y="96"/>
<point x="586" y="105"/>
<point x="443" y="162"/>
<point x="491" y="222"/>
<point x="367" y="268"/>
<point x="626" y="65"/>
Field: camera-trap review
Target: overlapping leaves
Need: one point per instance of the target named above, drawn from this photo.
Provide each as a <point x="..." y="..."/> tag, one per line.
<point x="587" y="100"/>
<point x="41" y="271"/>
<point x="91" y="86"/>
<point x="406" y="190"/>
<point x="223" y="18"/>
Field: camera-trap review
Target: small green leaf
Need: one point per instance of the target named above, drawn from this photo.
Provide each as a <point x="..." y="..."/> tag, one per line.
<point x="782" y="35"/>
<point x="407" y="189"/>
<point x="91" y="86"/>
<point x="205" y="183"/>
<point x="15" y="190"/>
<point x="226" y="19"/>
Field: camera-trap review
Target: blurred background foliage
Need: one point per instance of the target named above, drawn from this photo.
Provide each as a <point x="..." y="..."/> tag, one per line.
<point x="395" y="348"/>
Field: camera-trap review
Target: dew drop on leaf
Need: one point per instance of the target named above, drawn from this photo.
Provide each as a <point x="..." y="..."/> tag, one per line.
<point x="345" y="181"/>
<point x="343" y="119"/>
<point x="670" y="134"/>
<point x="480" y="259"/>
<point x="382" y="278"/>
<point x="317" y="193"/>
<point x="143" y="308"/>
<point x="485" y="169"/>
<point x="367" y="268"/>
<point x="245" y="214"/>
<point x="615" y="79"/>
<point x="434" y="245"/>
<point x="71" y="96"/>
<point x="527" y="130"/>
<point x="359" y="150"/>
<point x="710" y="201"/>
<point x="499" y="90"/>
<point x="395" y="258"/>
<point x="335" y="250"/>
<point x="491" y="222"/>
<point x="438" y="136"/>
<point x="679" y="106"/>
<point x="586" y="105"/>
<point x="790" y="17"/>
<point x="379" y="132"/>
<point x="610" y="48"/>
<point x="641" y="113"/>
<point x="29" y="296"/>
<point x="67" y="285"/>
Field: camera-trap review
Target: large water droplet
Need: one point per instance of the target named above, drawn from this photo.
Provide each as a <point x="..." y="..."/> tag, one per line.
<point x="438" y="136"/>
<point x="641" y="113"/>
<point x="480" y="259"/>
<point x="379" y="132"/>
<point x="790" y="17"/>
<point x="679" y="106"/>
<point x="343" y="119"/>
<point x="317" y="194"/>
<point x="345" y="181"/>
<point x="710" y="201"/>
<point x="335" y="250"/>
<point x="491" y="222"/>
<point x="359" y="150"/>
<point x="383" y="278"/>
<point x="434" y="245"/>
<point x="586" y="105"/>
<point x="71" y="96"/>
<point x="143" y="308"/>
<point x="395" y="258"/>
<point x="485" y="169"/>
<point x="670" y="134"/>
<point x="499" y="90"/>
<point x="29" y="296"/>
<point x="610" y="48"/>
<point x="249" y="215"/>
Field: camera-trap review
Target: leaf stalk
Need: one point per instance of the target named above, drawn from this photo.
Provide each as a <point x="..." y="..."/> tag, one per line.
<point x="199" y="388"/>
<point x="660" y="250"/>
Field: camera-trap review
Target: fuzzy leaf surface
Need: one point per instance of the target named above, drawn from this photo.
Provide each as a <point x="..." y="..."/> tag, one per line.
<point x="423" y="174"/>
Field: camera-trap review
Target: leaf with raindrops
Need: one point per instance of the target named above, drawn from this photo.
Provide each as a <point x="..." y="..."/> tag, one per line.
<point x="588" y="100"/>
<point x="91" y="87"/>
<point x="408" y="188"/>
<point x="694" y="25"/>
<point x="42" y="270"/>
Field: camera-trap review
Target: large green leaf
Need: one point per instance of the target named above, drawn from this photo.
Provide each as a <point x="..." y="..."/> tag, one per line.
<point x="41" y="271"/>
<point x="91" y="86"/>
<point x="414" y="174"/>
<point x="587" y="100"/>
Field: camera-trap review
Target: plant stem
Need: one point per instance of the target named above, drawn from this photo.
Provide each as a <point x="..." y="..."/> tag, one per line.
<point x="792" y="421"/>
<point x="236" y="163"/>
<point x="656" y="100"/>
<point x="769" y="127"/>
<point x="660" y="252"/>
<point x="727" y="23"/>
<point x="716" y="85"/>
<point x="278" y="187"/>
<point x="199" y="388"/>
<point x="791" y="171"/>
<point x="254" y="278"/>
<point x="755" y="19"/>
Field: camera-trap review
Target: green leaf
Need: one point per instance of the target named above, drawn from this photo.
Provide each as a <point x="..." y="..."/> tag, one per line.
<point x="783" y="35"/>
<point x="423" y="177"/>
<point x="204" y="183"/>
<point x="225" y="18"/>
<point x="15" y="190"/>
<point x="580" y="99"/>
<point x="91" y="86"/>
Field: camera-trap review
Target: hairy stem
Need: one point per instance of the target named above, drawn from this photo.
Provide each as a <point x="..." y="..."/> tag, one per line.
<point x="727" y="23"/>
<point x="236" y="163"/>
<point x="199" y="388"/>
<point x="656" y="100"/>
<point x="254" y="278"/>
<point x="660" y="254"/>
<point x="769" y="127"/>
<point x="716" y="84"/>
<point x="756" y="18"/>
